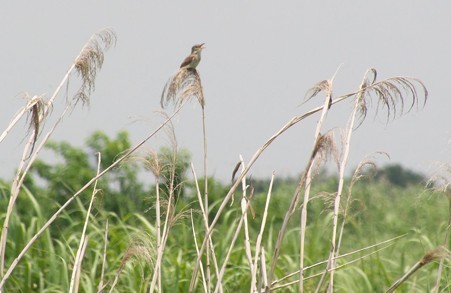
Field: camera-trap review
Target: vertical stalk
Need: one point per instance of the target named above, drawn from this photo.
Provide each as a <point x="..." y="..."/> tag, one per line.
<point x="204" y="131"/>
<point x="205" y="217"/>
<point x="167" y="226"/>
<point x="105" y="245"/>
<point x="258" y="246"/>
<point x="308" y="180"/>
<point x="75" y="279"/>
<point x="158" y="216"/>
<point x="333" y="249"/>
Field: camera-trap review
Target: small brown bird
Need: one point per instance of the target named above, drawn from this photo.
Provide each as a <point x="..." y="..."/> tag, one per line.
<point x="193" y="59"/>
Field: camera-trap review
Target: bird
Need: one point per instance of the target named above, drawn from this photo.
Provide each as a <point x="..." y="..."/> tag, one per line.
<point x="193" y="59"/>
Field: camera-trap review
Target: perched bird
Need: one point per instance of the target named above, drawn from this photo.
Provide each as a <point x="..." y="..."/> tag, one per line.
<point x="193" y="59"/>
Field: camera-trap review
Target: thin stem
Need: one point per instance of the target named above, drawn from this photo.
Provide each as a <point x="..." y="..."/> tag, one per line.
<point x="303" y="214"/>
<point x="232" y="244"/>
<point x="245" y="202"/>
<point x="336" y="268"/>
<point x="169" y="214"/>
<point x="258" y="246"/>
<point x="75" y="279"/>
<point x="158" y="215"/>
<point x="338" y="257"/>
<point x="102" y="273"/>
<point x="205" y="220"/>
<point x="197" y="251"/>
<point x="204" y="131"/>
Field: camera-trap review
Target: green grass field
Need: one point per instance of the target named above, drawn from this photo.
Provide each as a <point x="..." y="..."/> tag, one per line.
<point x="379" y="212"/>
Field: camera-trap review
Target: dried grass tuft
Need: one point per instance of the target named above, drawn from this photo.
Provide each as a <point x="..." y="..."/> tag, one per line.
<point x="391" y="94"/>
<point x="153" y="163"/>
<point x="181" y="87"/>
<point x="324" y="146"/>
<point x="90" y="61"/>
<point x="139" y="251"/>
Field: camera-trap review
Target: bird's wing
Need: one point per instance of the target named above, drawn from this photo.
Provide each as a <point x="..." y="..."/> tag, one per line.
<point x="187" y="61"/>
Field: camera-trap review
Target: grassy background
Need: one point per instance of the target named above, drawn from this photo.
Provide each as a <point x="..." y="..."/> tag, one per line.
<point x="380" y="211"/>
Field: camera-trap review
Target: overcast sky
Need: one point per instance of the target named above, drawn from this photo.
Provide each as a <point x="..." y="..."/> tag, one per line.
<point x="261" y="58"/>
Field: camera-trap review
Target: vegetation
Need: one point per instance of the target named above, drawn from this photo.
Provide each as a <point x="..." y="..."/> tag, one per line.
<point x="88" y="223"/>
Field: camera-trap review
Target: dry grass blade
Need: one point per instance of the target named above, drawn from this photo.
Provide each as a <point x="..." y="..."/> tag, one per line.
<point x="245" y="203"/>
<point x="211" y="247"/>
<point x="75" y="279"/>
<point x="263" y="280"/>
<point x="90" y="61"/>
<point x="204" y="283"/>
<point x="230" y="249"/>
<point x="258" y="245"/>
<point x="320" y="143"/>
<point x="338" y="257"/>
<point x="102" y="274"/>
<point x="244" y="206"/>
<point x="185" y="84"/>
<point x="329" y="270"/>
<point x="437" y="253"/>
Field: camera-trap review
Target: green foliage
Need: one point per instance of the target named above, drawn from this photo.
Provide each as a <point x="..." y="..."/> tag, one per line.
<point x="378" y="211"/>
<point x="122" y="191"/>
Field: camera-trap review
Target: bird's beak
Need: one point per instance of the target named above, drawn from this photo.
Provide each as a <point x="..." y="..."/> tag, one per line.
<point x="202" y="46"/>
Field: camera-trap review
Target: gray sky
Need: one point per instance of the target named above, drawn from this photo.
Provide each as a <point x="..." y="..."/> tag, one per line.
<point x="260" y="59"/>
